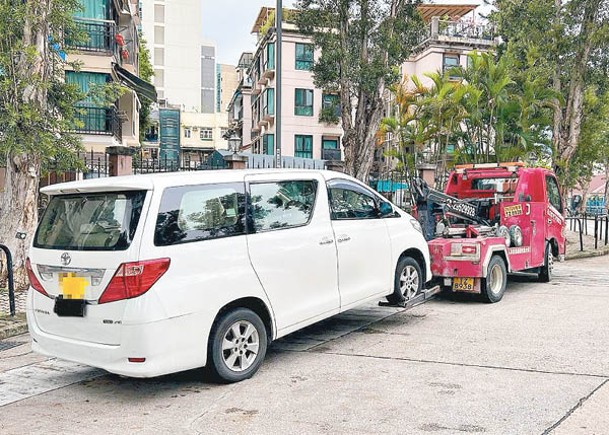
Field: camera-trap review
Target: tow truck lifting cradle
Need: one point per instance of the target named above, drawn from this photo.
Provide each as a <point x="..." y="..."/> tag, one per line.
<point x="422" y="297"/>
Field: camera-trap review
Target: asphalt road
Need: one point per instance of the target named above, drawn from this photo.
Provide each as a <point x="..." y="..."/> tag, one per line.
<point x="537" y="362"/>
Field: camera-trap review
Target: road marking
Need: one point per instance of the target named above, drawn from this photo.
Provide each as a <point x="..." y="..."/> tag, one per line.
<point x="32" y="380"/>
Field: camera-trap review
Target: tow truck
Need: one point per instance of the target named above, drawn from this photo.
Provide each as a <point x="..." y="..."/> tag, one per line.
<point x="492" y="220"/>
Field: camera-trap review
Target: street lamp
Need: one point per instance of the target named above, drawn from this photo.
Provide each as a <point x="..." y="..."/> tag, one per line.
<point x="234" y="142"/>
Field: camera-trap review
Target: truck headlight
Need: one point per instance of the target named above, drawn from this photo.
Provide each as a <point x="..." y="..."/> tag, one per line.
<point x="416" y="225"/>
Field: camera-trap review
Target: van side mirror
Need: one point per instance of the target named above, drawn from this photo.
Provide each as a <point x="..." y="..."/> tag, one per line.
<point x="385" y="209"/>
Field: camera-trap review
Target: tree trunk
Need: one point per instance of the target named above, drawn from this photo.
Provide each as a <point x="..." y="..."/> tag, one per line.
<point x="19" y="211"/>
<point x="18" y="203"/>
<point x="568" y="120"/>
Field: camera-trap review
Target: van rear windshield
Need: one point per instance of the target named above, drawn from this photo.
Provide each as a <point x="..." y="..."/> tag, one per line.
<point x="90" y="221"/>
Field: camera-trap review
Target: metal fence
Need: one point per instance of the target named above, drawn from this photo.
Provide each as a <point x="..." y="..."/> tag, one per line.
<point x="595" y="225"/>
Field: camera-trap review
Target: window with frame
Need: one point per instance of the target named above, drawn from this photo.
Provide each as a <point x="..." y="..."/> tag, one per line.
<point x="303" y="146"/>
<point x="206" y="133"/>
<point x="269" y="102"/>
<point x="331" y="101"/>
<point x="350" y="201"/>
<point x="449" y="63"/>
<point x="304" y="57"/>
<point x="270" y="56"/>
<point x="553" y="193"/>
<point x="187" y="132"/>
<point x="303" y="102"/>
<point x="202" y="212"/>
<point x="282" y="204"/>
<point x="268" y="144"/>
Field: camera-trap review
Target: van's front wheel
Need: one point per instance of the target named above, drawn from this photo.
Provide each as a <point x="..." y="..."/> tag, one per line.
<point x="408" y="281"/>
<point x="237" y="345"/>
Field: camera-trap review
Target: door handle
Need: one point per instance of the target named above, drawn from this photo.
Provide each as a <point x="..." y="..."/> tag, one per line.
<point x="343" y="238"/>
<point x="326" y="241"/>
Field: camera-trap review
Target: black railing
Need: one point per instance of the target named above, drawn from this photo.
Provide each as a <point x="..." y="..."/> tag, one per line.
<point x="9" y="274"/>
<point x="330" y="154"/>
<point x="99" y="120"/>
<point x="594" y="225"/>
<point x="99" y="36"/>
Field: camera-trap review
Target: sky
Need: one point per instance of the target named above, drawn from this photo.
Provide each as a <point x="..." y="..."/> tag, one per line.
<point x="228" y="23"/>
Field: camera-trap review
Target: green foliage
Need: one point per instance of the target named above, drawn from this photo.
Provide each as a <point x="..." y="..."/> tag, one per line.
<point x="564" y="48"/>
<point x="482" y="116"/>
<point x="37" y="114"/>
<point x="146" y="72"/>
<point x="363" y="43"/>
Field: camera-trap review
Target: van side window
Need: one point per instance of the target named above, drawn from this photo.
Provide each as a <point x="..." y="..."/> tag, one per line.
<point x="282" y="204"/>
<point x="553" y="193"/>
<point x="350" y="201"/>
<point x="194" y="213"/>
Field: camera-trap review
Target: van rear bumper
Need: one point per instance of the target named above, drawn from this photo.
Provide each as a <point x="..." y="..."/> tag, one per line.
<point x="168" y="345"/>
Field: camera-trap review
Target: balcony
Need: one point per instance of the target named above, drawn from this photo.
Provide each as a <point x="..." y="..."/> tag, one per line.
<point x="269" y="69"/>
<point x="96" y="36"/>
<point x="99" y="121"/>
<point x="268" y="113"/>
<point x="464" y="31"/>
<point x="329" y="154"/>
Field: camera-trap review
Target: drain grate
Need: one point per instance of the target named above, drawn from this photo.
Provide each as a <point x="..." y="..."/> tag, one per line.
<point x="6" y="345"/>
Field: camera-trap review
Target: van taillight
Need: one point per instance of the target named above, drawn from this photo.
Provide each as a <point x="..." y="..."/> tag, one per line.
<point x="134" y="279"/>
<point x="34" y="282"/>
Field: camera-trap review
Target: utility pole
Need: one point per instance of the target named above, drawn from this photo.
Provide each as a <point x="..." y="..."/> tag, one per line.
<point x="278" y="50"/>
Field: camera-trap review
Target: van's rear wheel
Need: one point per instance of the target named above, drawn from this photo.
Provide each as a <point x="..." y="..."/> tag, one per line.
<point x="493" y="285"/>
<point x="237" y="345"/>
<point x="545" y="271"/>
<point x="408" y="280"/>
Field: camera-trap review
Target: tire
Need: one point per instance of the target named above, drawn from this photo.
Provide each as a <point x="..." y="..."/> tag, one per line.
<point x="248" y="335"/>
<point x="545" y="271"/>
<point x="493" y="285"/>
<point x="408" y="281"/>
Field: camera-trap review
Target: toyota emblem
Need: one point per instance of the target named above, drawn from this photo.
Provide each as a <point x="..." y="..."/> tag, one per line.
<point x="65" y="259"/>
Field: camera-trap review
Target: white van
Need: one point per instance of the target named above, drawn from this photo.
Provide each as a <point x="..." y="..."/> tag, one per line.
<point x="153" y="274"/>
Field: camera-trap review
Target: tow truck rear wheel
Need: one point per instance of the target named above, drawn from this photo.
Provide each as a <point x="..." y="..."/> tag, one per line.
<point x="408" y="281"/>
<point x="493" y="286"/>
<point x="545" y="271"/>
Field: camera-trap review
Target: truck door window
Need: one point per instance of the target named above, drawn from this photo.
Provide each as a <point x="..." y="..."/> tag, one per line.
<point x="350" y="201"/>
<point x="553" y="193"/>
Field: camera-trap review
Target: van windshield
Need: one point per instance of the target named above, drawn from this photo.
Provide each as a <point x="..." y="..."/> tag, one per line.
<point x="90" y="222"/>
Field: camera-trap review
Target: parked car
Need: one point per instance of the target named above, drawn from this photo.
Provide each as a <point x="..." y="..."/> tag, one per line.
<point x="147" y="275"/>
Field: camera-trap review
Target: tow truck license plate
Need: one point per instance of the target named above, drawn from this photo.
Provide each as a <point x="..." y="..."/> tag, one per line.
<point x="463" y="284"/>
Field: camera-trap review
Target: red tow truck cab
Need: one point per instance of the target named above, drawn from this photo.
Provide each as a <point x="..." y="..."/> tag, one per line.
<point x="526" y="228"/>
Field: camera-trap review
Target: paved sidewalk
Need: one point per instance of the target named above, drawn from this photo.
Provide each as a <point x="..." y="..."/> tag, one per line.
<point x="573" y="246"/>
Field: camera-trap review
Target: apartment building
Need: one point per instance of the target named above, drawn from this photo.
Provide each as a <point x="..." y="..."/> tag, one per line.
<point x="208" y="78"/>
<point x="240" y="106"/>
<point x="227" y="83"/>
<point x="201" y="134"/>
<point x="307" y="131"/>
<point x="108" y="54"/>
<point x="172" y="31"/>
<point x="453" y="31"/>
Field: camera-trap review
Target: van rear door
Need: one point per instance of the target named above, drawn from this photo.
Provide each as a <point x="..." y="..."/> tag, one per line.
<point x="81" y="242"/>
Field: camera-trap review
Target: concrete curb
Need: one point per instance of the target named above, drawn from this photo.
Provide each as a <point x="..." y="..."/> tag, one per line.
<point x="11" y="326"/>
<point x="587" y="254"/>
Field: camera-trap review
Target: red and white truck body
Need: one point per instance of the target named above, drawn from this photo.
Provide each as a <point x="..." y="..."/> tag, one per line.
<point x="527" y="229"/>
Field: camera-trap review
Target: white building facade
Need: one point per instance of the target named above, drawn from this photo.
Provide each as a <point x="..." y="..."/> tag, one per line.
<point x="172" y="30"/>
